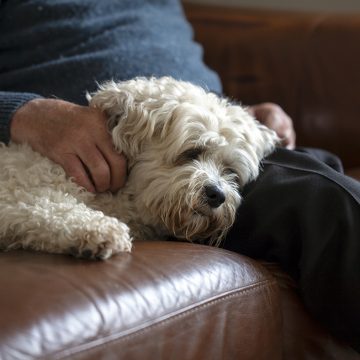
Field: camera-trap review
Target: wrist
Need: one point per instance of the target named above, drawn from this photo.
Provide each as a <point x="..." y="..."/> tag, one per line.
<point x="21" y="119"/>
<point x="10" y="102"/>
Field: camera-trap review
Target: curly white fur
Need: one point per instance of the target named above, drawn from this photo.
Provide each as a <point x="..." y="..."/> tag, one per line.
<point x="184" y="146"/>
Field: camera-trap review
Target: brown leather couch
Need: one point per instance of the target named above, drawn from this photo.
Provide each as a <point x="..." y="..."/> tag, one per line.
<point x="172" y="300"/>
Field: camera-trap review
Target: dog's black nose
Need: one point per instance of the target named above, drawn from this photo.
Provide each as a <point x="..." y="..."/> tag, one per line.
<point x="214" y="195"/>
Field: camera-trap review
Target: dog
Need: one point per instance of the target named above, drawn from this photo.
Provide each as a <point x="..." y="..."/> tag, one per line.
<point x="189" y="152"/>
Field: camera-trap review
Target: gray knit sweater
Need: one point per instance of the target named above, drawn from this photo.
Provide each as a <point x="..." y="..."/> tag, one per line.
<point x="62" y="48"/>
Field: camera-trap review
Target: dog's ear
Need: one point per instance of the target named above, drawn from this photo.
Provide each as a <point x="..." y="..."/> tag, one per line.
<point x="128" y="117"/>
<point x="268" y="140"/>
<point x="252" y="140"/>
<point x="259" y="137"/>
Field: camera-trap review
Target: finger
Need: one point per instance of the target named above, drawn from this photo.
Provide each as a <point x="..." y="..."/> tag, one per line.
<point x="75" y="169"/>
<point x="289" y="132"/>
<point x="291" y="142"/>
<point x="288" y="139"/>
<point x="97" y="166"/>
<point x="116" y="161"/>
<point x="118" y="167"/>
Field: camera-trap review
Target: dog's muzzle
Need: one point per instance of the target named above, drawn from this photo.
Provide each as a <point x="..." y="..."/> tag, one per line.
<point x="214" y="195"/>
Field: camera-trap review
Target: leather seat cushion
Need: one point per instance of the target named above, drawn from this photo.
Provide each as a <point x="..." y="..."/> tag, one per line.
<point x="167" y="299"/>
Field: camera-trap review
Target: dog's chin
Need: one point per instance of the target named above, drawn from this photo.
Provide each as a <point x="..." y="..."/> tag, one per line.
<point x="203" y="224"/>
<point x="203" y="211"/>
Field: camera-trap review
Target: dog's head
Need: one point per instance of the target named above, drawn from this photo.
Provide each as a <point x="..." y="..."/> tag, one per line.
<point x="189" y="152"/>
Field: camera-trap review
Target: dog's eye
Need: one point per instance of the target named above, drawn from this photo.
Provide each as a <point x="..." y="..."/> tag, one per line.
<point x="231" y="172"/>
<point x="189" y="155"/>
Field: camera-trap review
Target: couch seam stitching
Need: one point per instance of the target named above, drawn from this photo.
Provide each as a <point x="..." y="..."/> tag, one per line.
<point x="117" y="337"/>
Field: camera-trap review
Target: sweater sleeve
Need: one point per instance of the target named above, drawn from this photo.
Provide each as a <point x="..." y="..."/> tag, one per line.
<point x="9" y="103"/>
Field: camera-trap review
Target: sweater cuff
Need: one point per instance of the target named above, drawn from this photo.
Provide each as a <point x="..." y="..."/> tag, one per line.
<point x="9" y="103"/>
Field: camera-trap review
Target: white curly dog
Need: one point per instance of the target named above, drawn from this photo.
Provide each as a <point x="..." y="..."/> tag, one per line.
<point x="189" y="153"/>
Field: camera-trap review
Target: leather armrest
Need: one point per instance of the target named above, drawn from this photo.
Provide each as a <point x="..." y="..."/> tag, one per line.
<point x="165" y="300"/>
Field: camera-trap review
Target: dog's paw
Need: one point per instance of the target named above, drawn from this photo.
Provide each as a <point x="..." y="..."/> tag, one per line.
<point x="102" y="242"/>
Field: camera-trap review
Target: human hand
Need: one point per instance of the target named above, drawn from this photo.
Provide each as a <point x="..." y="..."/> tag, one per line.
<point x="274" y="117"/>
<point x="74" y="136"/>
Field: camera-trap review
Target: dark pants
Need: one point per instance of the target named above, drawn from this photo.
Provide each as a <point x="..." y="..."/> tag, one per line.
<point x="305" y="215"/>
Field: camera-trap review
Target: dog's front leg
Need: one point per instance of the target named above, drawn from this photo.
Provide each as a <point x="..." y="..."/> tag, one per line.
<point x="61" y="224"/>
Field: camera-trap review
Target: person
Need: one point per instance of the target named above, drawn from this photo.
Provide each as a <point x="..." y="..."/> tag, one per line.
<point x="301" y="212"/>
